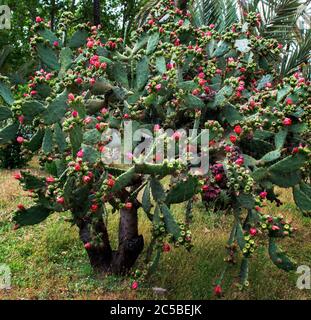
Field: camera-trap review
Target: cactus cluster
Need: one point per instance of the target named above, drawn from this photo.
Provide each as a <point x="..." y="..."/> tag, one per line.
<point x="171" y="75"/>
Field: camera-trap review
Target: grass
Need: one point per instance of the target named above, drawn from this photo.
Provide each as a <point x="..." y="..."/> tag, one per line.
<point x="48" y="261"/>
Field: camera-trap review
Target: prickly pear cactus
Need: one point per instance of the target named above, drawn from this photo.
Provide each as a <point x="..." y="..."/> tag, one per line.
<point x="11" y="155"/>
<point x="171" y="76"/>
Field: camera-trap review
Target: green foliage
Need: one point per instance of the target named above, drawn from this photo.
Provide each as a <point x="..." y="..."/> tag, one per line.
<point x="31" y="216"/>
<point x="157" y="190"/>
<point x="76" y="138"/>
<point x="56" y="109"/>
<point x="31" y="182"/>
<point x="146" y="199"/>
<point x="5" y="93"/>
<point x="182" y="191"/>
<point x="35" y="142"/>
<point x="123" y="180"/>
<point x="170" y="222"/>
<point x="78" y="39"/>
<point x="12" y="155"/>
<point x="9" y="133"/>
<point x="244" y="272"/>
<point x="240" y="235"/>
<point x="60" y="138"/>
<point x="48" y="57"/>
<point x="31" y="109"/>
<point x="47" y="143"/>
<point x="289" y="164"/>
<point x="302" y="196"/>
<point x="279" y="258"/>
<point x="5" y="113"/>
<point x="142" y="73"/>
<point x="280" y="138"/>
<point x="152" y="43"/>
<point x="116" y="16"/>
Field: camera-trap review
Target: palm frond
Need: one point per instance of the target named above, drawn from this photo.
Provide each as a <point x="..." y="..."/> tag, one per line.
<point x="304" y="13"/>
<point x="249" y="5"/>
<point x="144" y="12"/>
<point x="221" y="13"/>
<point x="231" y="14"/>
<point x="279" y="17"/>
<point x="299" y="54"/>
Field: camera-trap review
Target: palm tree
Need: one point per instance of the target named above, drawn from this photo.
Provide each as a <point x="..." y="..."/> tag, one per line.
<point x="288" y="21"/>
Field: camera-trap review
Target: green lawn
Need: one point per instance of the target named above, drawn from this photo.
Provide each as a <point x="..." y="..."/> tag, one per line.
<point x="49" y="262"/>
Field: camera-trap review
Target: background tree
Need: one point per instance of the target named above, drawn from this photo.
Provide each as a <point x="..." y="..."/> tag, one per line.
<point x="116" y="17"/>
<point x="96" y="10"/>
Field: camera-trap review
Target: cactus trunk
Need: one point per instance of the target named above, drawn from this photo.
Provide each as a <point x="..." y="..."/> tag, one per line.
<point x="102" y="258"/>
<point x="130" y="243"/>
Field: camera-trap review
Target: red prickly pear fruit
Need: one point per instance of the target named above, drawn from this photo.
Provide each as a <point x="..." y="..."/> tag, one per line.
<point x="263" y="194"/>
<point x="253" y="231"/>
<point x="110" y="183"/>
<point x="166" y="247"/>
<point x="218" y="290"/>
<point x="20" y="140"/>
<point x="287" y="122"/>
<point x="20" y="207"/>
<point x="129" y="205"/>
<point x="233" y="138"/>
<point x="205" y="187"/>
<point x="86" y="179"/>
<point x="50" y="180"/>
<point x="17" y="176"/>
<point x="134" y="285"/>
<point x="16" y="226"/>
<point x="71" y="97"/>
<point x="238" y="129"/>
<point x="60" y="200"/>
<point x="87" y="246"/>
